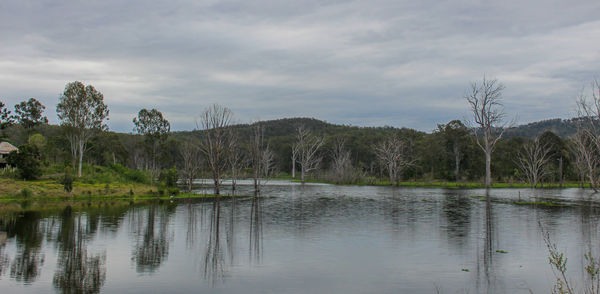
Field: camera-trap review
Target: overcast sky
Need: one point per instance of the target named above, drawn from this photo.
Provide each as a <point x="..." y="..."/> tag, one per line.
<point x="365" y="63"/>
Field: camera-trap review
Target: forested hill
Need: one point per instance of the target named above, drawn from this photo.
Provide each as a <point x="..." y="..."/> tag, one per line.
<point x="563" y="128"/>
<point x="284" y="127"/>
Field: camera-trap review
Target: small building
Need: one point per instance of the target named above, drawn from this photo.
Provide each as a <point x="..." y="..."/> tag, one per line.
<point x="6" y="148"/>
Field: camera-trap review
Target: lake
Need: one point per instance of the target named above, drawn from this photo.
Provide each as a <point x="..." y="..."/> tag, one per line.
<point x="312" y="238"/>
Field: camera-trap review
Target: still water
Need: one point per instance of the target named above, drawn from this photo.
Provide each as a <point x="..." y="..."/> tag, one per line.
<point x="301" y="239"/>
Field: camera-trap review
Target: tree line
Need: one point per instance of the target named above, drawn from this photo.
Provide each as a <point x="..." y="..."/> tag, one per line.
<point x="308" y="149"/>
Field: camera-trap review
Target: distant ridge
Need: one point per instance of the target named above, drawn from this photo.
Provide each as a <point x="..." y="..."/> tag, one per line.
<point x="282" y="127"/>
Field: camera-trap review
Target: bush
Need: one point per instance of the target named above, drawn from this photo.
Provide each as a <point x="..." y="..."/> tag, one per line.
<point x="67" y="180"/>
<point x="9" y="172"/>
<point x="27" y="162"/>
<point x="129" y="174"/>
<point x="173" y="191"/>
<point x="25" y="193"/>
<point x="169" y="177"/>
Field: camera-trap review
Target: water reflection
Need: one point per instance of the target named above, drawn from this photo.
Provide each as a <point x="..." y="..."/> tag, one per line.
<point x="255" y="239"/>
<point x="305" y="239"/>
<point x="152" y="247"/>
<point x="77" y="270"/>
<point x="457" y="210"/>
<point x="213" y="256"/>
<point x="28" y="260"/>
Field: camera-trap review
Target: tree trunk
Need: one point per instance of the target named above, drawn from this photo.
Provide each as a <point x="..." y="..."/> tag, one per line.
<point x="80" y="157"/>
<point x="560" y="172"/>
<point x="293" y="167"/>
<point x="217" y="181"/>
<point x="456" y="162"/>
<point x="488" y="168"/>
<point x="302" y="174"/>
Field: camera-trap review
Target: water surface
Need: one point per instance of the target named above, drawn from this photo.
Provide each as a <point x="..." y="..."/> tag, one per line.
<point x="301" y="239"/>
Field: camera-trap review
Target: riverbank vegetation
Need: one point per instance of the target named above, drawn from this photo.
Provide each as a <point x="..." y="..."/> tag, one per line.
<point x="553" y="153"/>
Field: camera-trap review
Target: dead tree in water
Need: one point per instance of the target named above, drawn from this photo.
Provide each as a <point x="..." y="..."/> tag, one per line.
<point x="532" y="161"/>
<point x="488" y="116"/>
<point x="191" y="162"/>
<point x="261" y="157"/>
<point x="216" y="141"/>
<point x="394" y="154"/>
<point x="308" y="148"/>
<point x="587" y="139"/>
<point x="341" y="165"/>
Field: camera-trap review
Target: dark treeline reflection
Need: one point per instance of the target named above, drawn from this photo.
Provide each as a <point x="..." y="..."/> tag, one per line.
<point x="152" y="235"/>
<point x="77" y="270"/>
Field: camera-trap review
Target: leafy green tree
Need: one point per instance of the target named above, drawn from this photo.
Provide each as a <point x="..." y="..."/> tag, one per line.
<point x="27" y="162"/>
<point x="155" y="129"/>
<point x="30" y="113"/>
<point x="5" y="118"/>
<point x="456" y="135"/>
<point x="82" y="111"/>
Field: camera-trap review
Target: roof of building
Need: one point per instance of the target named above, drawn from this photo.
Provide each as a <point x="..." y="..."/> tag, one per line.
<point x="6" y="148"/>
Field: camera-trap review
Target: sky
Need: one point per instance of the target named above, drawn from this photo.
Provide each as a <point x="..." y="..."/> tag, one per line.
<point x="364" y="63"/>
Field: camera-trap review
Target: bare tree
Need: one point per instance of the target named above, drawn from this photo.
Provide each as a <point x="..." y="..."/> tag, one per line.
<point x="394" y="154"/>
<point x="308" y="148"/>
<point x="295" y="152"/>
<point x="235" y="158"/>
<point x="261" y="157"/>
<point x="216" y="141"/>
<point x="488" y="117"/>
<point x="191" y="162"/>
<point x="268" y="162"/>
<point x="587" y="139"/>
<point x="587" y="160"/>
<point x="341" y="165"/>
<point x="532" y="161"/>
<point x="82" y="110"/>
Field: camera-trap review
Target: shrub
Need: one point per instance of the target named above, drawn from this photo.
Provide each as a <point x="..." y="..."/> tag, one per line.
<point x="173" y="191"/>
<point x="25" y="193"/>
<point x="27" y="162"/>
<point x="169" y="177"/>
<point x="67" y="180"/>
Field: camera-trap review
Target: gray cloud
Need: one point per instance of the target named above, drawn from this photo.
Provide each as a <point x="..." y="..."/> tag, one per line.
<point x="400" y="63"/>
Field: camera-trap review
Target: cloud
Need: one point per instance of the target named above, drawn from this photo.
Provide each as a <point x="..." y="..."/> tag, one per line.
<point x="400" y="63"/>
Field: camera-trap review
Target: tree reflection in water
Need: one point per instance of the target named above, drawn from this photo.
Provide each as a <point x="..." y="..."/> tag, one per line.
<point x="28" y="261"/>
<point x="484" y="272"/>
<point x="256" y="232"/>
<point x="153" y="249"/>
<point x="213" y="256"/>
<point x="77" y="271"/>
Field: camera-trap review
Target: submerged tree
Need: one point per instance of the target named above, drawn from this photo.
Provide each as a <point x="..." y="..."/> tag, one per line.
<point x="261" y="157"/>
<point x="394" y="154"/>
<point x="308" y="148"/>
<point x="533" y="161"/>
<point x="191" y="162"/>
<point x="488" y="117"/>
<point x="216" y="141"/>
<point x="587" y="139"/>
<point x="82" y="111"/>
